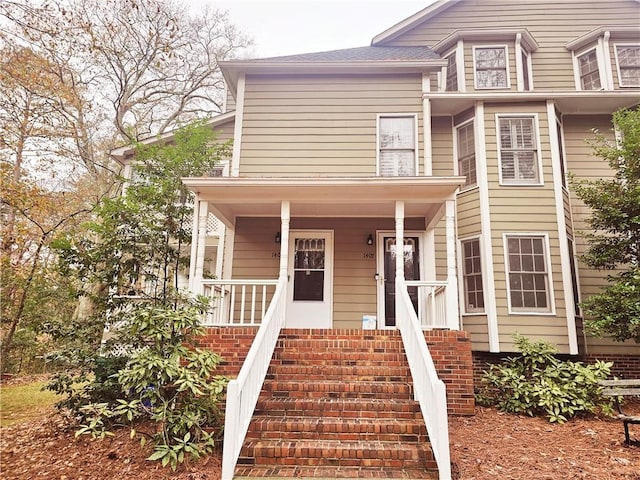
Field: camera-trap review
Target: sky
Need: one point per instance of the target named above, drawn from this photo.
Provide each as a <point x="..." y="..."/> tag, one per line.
<point x="286" y="27"/>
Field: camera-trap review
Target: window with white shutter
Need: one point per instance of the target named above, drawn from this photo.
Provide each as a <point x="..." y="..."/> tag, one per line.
<point x="518" y="151"/>
<point x="397" y="146"/>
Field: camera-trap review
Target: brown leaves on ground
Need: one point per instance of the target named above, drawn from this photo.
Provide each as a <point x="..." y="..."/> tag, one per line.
<point x="490" y="445"/>
<point x="495" y="445"/>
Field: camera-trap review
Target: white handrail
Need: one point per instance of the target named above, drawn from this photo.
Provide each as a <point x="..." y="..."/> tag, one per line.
<point x="432" y="305"/>
<point x="243" y="392"/>
<point x="428" y="389"/>
<point x="237" y="302"/>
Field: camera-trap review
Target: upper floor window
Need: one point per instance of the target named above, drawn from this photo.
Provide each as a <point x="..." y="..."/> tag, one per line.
<point x="518" y="150"/>
<point x="589" y="70"/>
<point x="490" y="67"/>
<point x="528" y="273"/>
<point x="452" y="73"/>
<point x="472" y="276"/>
<point x="397" y="145"/>
<point x="466" y="152"/>
<point x="628" y="62"/>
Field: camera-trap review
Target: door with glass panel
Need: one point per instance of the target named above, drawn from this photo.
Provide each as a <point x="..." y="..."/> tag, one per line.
<point x="310" y="286"/>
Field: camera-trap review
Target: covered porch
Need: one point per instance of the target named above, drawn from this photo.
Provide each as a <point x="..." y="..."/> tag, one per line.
<point x="333" y="242"/>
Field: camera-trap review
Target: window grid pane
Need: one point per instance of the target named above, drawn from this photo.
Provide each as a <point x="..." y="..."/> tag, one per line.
<point x="629" y="65"/>
<point x="397" y="146"/>
<point x="589" y="73"/>
<point x="452" y="74"/>
<point x="472" y="273"/>
<point x="528" y="277"/>
<point x="491" y="67"/>
<point x="467" y="154"/>
<point x="518" y="151"/>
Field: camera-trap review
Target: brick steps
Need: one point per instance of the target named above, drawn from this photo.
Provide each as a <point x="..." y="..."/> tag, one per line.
<point x="336" y="428"/>
<point x="337" y="404"/>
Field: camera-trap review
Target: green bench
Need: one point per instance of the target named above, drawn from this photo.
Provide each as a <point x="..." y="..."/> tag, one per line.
<point x="621" y="388"/>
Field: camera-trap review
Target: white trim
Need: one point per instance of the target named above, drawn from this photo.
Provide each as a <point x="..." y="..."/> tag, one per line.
<point x="452" y="313"/>
<point x="229" y="243"/>
<point x="443" y="85"/>
<point x="547" y="253"/>
<point x="194" y="243"/>
<point x="567" y="282"/>
<point x="237" y="131"/>
<point x="519" y="71"/>
<point x="536" y="126"/>
<point x="506" y="59"/>
<point x="501" y="34"/>
<point x="615" y="51"/>
<point x="461" y="286"/>
<point x="462" y="81"/>
<point x="606" y="60"/>
<point x="488" y="278"/>
<point x="415" y="147"/>
<point x="426" y="127"/>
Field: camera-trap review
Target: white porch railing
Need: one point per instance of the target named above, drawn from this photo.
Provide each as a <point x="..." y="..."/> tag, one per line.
<point x="429" y="390"/>
<point x="243" y="392"/>
<point x="238" y="302"/>
<point x="432" y="303"/>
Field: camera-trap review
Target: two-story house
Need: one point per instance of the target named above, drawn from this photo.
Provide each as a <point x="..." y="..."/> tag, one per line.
<point x="452" y="135"/>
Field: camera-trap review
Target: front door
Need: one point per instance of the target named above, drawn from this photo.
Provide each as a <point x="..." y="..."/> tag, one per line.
<point x="411" y="272"/>
<point x="310" y="286"/>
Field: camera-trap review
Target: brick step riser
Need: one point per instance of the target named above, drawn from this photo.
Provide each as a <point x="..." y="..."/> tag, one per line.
<point x="339" y="358"/>
<point x="363" y="436"/>
<point x="330" y="387"/>
<point x="336" y="473"/>
<point x="286" y="371"/>
<point x="342" y="345"/>
<point x="301" y="377"/>
<point x="334" y="411"/>
<point x="384" y="455"/>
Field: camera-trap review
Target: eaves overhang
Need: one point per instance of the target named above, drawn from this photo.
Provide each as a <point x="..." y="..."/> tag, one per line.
<point x="487" y="34"/>
<point x="233" y="197"/>
<point x="568" y="102"/>
<point x="232" y="70"/>
<point x="593" y="35"/>
<point x="121" y="154"/>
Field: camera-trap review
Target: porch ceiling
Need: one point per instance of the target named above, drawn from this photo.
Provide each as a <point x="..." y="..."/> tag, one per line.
<point x="231" y="197"/>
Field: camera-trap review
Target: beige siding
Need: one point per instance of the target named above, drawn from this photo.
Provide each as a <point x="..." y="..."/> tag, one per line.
<point x="230" y="102"/>
<point x="442" y="145"/>
<point x="468" y="213"/>
<point x="354" y="288"/>
<point x="476" y="325"/>
<point x="224" y="132"/>
<point x="321" y="126"/>
<point x="582" y="163"/>
<point x="518" y="209"/>
<point x="552" y="24"/>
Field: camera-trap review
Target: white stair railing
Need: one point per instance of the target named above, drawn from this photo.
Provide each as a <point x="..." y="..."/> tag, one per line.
<point x="432" y="305"/>
<point x="238" y="302"/>
<point x="429" y="390"/>
<point x="243" y="392"/>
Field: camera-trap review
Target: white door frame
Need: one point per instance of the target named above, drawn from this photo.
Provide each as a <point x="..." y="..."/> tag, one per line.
<point x="310" y="314"/>
<point x="380" y="234"/>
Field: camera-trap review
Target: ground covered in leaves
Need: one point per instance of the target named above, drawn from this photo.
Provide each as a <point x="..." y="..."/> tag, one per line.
<point x="490" y="445"/>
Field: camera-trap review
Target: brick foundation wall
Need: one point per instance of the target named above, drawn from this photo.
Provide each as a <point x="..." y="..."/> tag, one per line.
<point x="624" y="366"/>
<point x="451" y="352"/>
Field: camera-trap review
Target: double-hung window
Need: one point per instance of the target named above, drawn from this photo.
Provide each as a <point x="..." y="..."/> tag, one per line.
<point x="472" y="276"/>
<point x="589" y="70"/>
<point x="518" y="150"/>
<point x="628" y="61"/>
<point x="528" y="273"/>
<point x="466" y="152"/>
<point x="452" y="73"/>
<point x="490" y="67"/>
<point x="397" y="145"/>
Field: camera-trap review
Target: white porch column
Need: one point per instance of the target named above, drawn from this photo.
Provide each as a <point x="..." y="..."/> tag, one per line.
<point x="399" y="248"/>
<point x="194" y="243"/>
<point x="426" y="126"/>
<point x="453" y="321"/>
<point x="203" y="215"/>
<point x="285" y="218"/>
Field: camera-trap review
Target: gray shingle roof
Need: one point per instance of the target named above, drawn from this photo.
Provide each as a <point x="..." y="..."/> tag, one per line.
<point x="360" y="54"/>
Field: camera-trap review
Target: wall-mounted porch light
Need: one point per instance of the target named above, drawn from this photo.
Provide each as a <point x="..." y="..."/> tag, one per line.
<point x="370" y="240"/>
<point x="278" y="237"/>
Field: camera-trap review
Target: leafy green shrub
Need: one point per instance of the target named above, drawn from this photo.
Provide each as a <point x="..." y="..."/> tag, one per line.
<point x="538" y="383"/>
<point x="167" y="382"/>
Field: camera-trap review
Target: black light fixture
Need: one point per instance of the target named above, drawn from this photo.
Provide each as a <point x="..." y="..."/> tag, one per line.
<point x="370" y="240"/>
<point x="278" y="237"/>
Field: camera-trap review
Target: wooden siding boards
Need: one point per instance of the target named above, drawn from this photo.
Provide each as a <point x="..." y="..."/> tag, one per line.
<point x="552" y="24"/>
<point x="319" y="125"/>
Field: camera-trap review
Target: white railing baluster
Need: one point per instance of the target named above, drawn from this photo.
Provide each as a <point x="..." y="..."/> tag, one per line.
<point x="264" y="300"/>
<point x="226" y="294"/>
<point x="242" y="302"/>
<point x="253" y="305"/>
